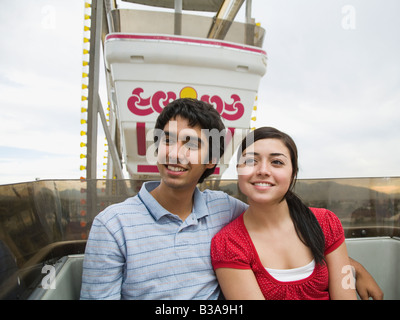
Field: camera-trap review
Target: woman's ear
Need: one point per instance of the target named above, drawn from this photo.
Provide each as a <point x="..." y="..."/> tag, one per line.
<point x="211" y="165"/>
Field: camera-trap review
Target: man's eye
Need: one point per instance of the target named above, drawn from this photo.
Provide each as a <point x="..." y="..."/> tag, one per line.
<point x="167" y="141"/>
<point x="191" y="146"/>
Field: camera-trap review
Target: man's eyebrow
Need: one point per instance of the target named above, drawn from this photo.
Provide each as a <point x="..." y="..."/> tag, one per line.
<point x="167" y="133"/>
<point x="191" y="138"/>
<point x="187" y="136"/>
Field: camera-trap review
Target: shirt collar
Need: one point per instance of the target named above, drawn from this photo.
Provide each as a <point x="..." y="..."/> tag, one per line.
<point x="199" y="210"/>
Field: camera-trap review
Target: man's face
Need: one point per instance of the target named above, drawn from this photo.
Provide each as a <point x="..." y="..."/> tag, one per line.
<point x="181" y="154"/>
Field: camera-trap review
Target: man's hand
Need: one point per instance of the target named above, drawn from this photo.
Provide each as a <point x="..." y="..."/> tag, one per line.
<point x="366" y="285"/>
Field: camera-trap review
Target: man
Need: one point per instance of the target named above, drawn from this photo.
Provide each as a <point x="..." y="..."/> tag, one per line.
<point x="156" y="245"/>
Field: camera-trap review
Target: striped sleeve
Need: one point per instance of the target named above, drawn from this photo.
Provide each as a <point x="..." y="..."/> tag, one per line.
<point x="237" y="207"/>
<point x="103" y="264"/>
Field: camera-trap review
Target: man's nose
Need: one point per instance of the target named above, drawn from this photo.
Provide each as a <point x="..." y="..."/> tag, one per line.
<point x="176" y="153"/>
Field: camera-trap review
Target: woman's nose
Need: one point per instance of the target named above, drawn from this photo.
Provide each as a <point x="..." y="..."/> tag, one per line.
<point x="263" y="169"/>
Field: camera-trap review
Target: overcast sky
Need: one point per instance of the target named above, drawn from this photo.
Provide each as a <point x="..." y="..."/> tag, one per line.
<point x="332" y="83"/>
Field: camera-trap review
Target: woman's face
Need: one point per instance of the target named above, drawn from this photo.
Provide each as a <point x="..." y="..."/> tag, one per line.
<point x="265" y="171"/>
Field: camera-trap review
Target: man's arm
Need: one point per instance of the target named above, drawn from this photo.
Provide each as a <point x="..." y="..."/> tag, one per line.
<point x="102" y="265"/>
<point x="366" y="285"/>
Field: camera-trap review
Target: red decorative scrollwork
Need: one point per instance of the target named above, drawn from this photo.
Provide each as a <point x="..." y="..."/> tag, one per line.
<point x="216" y="101"/>
<point x="136" y="101"/>
<point x="235" y="110"/>
<point x="161" y="95"/>
<point x="144" y="106"/>
<point x="227" y="111"/>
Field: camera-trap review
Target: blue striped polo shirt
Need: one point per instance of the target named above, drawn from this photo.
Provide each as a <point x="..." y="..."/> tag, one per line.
<point x="138" y="250"/>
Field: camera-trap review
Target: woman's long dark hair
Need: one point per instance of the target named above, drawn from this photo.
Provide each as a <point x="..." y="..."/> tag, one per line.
<point x="305" y="223"/>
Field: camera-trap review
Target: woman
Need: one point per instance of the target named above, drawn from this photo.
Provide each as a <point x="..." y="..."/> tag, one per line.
<point x="279" y="248"/>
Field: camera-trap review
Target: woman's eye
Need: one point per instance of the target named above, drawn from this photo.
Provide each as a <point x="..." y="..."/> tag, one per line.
<point x="278" y="162"/>
<point x="249" y="162"/>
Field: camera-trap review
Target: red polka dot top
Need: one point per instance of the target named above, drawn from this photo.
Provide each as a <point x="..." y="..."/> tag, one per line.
<point x="233" y="248"/>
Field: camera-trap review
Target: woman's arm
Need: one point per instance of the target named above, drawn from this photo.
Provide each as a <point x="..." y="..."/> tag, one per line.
<point x="341" y="278"/>
<point x="244" y="286"/>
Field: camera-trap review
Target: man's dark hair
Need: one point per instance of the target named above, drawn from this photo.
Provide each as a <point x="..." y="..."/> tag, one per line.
<point x="200" y="113"/>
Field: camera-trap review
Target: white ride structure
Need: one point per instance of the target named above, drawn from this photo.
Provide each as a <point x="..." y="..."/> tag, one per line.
<point x="154" y="57"/>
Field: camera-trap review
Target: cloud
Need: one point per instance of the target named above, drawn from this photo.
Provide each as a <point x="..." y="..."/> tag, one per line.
<point x="40" y="89"/>
<point x="335" y="91"/>
<point x="21" y="165"/>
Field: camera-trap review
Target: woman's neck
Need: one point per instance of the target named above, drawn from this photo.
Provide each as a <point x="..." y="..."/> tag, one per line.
<point x="261" y="215"/>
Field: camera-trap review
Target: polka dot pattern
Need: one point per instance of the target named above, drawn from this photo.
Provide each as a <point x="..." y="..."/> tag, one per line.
<point x="232" y="247"/>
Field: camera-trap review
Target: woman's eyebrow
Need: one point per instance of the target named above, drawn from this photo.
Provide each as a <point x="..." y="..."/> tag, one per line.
<point x="274" y="154"/>
<point x="277" y="154"/>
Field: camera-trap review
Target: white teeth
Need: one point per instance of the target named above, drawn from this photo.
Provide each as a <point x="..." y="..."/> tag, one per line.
<point x="172" y="168"/>
<point x="263" y="184"/>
